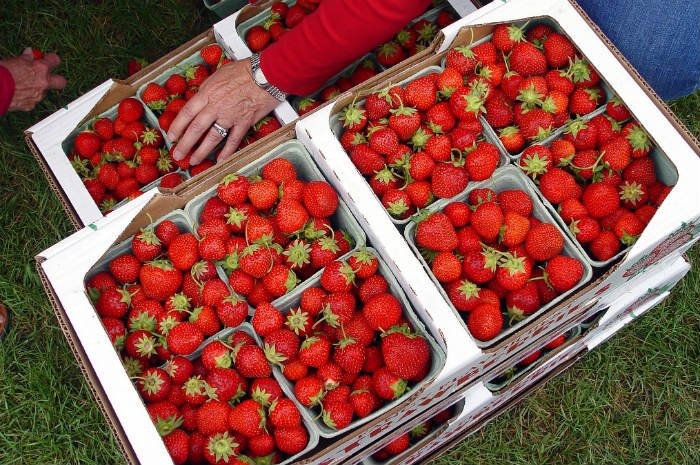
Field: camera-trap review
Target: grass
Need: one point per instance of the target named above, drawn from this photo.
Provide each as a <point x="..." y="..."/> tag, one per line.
<point x="634" y="400"/>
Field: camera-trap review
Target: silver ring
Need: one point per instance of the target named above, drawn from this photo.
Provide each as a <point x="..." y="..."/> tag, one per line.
<point x="223" y="132"/>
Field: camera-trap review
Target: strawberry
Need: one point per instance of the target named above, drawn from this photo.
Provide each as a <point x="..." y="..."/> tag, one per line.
<point x="406" y="354"/>
<point x="482" y="161"/>
<point x="86" y="143"/>
<point x="184" y="338"/>
<point x="387" y="385"/>
<point x="558" y="50"/>
<point x="155" y="96"/>
<point x="211" y="54"/>
<point x="320" y="199"/>
<point x="563" y="272"/>
<point x="617" y="110"/>
<point x="617" y="153"/>
<point x="389" y="54"/>
<point x="449" y="179"/>
<point x="382" y="311"/>
<point x="585" y="100"/>
<point x="628" y="228"/>
<point x="600" y="199"/>
<point x="134" y="65"/>
<point x="605" y="246"/>
<point x="436" y="232"/>
<point x="511" y="138"/>
<point x="291" y="440"/>
<point x="250" y="362"/>
<point x="159" y="279"/>
<point x="557" y="185"/>
<point x="536" y="124"/>
<point x="257" y="38"/>
<point x="544" y="241"/>
<point x="309" y="391"/>
<point x="485" y="322"/>
<point x="183" y="251"/>
<point x="487" y="220"/>
<point x="267" y="319"/>
<point x="461" y="58"/>
<point x="247" y="418"/>
<point x="421" y="93"/>
<point x="582" y="74"/>
<point x="212" y="417"/>
<point x="638" y="138"/>
<point x="221" y="448"/>
<point x="527" y="60"/>
<point x="337" y="415"/>
<point x="523" y="301"/>
<point x="129" y="109"/>
<point x="505" y="36"/>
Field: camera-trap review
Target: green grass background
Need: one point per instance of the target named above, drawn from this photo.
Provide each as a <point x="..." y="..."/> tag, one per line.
<point x="632" y="401"/>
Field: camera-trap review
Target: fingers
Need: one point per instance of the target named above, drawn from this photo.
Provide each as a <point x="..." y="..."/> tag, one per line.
<point x="234" y="140"/>
<point x="207" y="144"/>
<point x="51" y="60"/>
<point x="192" y="118"/>
<point x="57" y="82"/>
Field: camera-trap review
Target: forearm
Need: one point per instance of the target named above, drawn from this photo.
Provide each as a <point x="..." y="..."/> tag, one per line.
<point x="7" y="89"/>
<point x="335" y="35"/>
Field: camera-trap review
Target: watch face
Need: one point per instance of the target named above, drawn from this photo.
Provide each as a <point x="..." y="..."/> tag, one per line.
<point x="259" y="77"/>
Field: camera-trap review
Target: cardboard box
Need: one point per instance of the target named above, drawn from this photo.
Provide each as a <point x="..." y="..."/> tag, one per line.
<point x="46" y="138"/>
<point x="672" y="230"/>
<point x="482" y="405"/>
<point x="116" y="395"/>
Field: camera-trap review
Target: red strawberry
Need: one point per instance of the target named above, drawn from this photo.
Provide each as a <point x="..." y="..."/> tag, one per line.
<point x="449" y="179"/>
<point x="558" y="50"/>
<point x="485" y="322"/>
<point x="159" y="279"/>
<point x="184" y="338"/>
<point x="320" y="199"/>
<point x="563" y="272"/>
<point x="389" y="54"/>
<point x="406" y="354"/>
<point x="600" y="199"/>
<point x="291" y="440"/>
<point x="211" y="54"/>
<point x="527" y="60"/>
<point x="482" y="161"/>
<point x="544" y="241"/>
<point x="436" y="232"/>
<point x="387" y="385"/>
<point x="129" y="109"/>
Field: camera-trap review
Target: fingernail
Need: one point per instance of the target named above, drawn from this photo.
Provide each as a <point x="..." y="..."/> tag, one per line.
<point x="171" y="136"/>
<point x="177" y="155"/>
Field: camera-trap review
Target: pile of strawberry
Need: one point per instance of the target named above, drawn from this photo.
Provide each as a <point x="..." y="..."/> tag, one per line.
<point x="413" y="38"/>
<point x="363" y="70"/>
<point x="526" y="82"/>
<point x="347" y="346"/>
<point x="418" y="142"/>
<point x="162" y="297"/>
<point x="406" y="440"/>
<point x="116" y="157"/>
<point x="507" y="376"/>
<point x="167" y="99"/>
<point x="497" y="263"/>
<point x="223" y="407"/>
<point x="272" y="230"/>
<point x="282" y="18"/>
<point x="600" y="178"/>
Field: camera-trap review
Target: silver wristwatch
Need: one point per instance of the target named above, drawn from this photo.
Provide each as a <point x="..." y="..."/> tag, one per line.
<point x="261" y="80"/>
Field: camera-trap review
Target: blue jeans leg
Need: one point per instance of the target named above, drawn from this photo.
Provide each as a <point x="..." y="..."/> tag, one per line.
<point x="661" y="38"/>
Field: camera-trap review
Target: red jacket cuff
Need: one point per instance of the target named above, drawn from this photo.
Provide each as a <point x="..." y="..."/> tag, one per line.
<point x="7" y="89"/>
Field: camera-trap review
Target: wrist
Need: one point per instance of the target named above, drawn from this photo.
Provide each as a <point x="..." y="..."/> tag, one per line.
<point x="261" y="80"/>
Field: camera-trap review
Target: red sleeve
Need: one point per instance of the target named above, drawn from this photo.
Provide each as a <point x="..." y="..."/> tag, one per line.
<point x="336" y="34"/>
<point x="7" y="89"/>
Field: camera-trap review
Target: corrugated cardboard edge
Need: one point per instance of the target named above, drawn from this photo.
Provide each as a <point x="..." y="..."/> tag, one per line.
<point x="53" y="184"/>
<point x="83" y="363"/>
<point x="510" y="404"/>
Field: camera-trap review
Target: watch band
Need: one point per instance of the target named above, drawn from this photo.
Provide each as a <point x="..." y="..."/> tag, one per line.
<point x="264" y="84"/>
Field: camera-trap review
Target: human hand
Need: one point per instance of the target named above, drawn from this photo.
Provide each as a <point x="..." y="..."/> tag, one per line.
<point x="33" y="77"/>
<point x="230" y="98"/>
